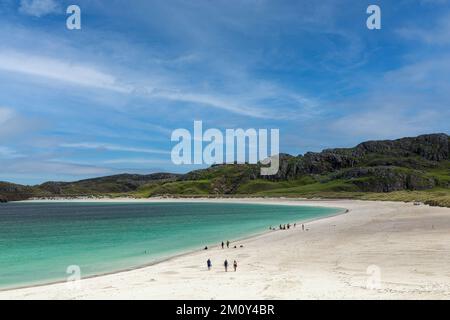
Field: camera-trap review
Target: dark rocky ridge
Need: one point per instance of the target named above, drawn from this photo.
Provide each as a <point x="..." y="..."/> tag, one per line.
<point x="419" y="152"/>
<point x="372" y="166"/>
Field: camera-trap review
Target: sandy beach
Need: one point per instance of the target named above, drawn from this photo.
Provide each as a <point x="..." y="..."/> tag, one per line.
<point x="377" y="250"/>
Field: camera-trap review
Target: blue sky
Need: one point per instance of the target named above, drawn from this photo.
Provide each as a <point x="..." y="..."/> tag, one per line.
<point x="104" y="99"/>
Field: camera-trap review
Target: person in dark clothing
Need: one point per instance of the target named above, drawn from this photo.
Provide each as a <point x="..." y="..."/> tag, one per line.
<point x="235" y="265"/>
<point x="228" y="244"/>
<point x="209" y="264"/>
<point x="222" y="244"/>
<point x="225" y="264"/>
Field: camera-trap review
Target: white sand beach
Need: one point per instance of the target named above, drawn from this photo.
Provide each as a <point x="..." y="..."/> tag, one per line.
<point x="337" y="257"/>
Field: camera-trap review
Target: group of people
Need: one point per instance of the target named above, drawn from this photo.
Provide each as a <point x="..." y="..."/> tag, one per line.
<point x="225" y="264"/>
<point x="228" y="244"/>
<point x="283" y="227"/>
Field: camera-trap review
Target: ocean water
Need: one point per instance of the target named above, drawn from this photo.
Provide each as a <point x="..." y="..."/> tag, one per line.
<point x="38" y="241"/>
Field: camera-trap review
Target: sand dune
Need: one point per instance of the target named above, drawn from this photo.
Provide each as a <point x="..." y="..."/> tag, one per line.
<point x="378" y="250"/>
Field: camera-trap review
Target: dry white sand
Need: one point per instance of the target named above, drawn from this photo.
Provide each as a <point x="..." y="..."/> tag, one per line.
<point x="406" y="247"/>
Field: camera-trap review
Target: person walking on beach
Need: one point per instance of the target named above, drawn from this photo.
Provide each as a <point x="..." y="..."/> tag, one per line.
<point x="209" y="264"/>
<point x="225" y="264"/>
<point x="235" y="265"/>
<point x="228" y="244"/>
<point x="303" y="227"/>
<point x="222" y="244"/>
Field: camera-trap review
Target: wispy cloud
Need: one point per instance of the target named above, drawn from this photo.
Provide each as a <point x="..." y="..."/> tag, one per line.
<point x="214" y="101"/>
<point x="249" y="104"/>
<point x="8" y="153"/>
<point x="438" y="34"/>
<point x="111" y="147"/>
<point x="385" y="123"/>
<point x="39" y="8"/>
<point x="140" y="161"/>
<point x="13" y="124"/>
<point x="59" y="70"/>
<point x="32" y="166"/>
<point x="6" y="114"/>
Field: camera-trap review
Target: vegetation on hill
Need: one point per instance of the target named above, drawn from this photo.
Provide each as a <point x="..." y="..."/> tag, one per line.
<point x="407" y="169"/>
<point x="110" y="185"/>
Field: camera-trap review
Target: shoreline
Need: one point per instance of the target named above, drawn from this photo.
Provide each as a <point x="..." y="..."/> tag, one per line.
<point x="408" y="243"/>
<point x="171" y="257"/>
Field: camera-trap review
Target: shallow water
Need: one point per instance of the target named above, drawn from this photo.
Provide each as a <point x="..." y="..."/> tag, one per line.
<point x="38" y="241"/>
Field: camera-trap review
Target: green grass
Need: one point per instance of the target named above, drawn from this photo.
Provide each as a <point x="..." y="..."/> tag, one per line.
<point x="235" y="181"/>
<point x="295" y="187"/>
<point x="261" y="186"/>
<point x="197" y="187"/>
<point x="441" y="174"/>
<point x="306" y="187"/>
<point x="434" y="197"/>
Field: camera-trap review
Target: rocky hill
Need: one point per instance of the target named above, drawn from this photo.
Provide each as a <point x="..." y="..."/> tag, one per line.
<point x="378" y="166"/>
<point x="416" y="163"/>
<point x="122" y="183"/>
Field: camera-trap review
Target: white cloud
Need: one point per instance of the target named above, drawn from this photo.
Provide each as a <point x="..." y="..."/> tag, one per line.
<point x="34" y="166"/>
<point x="137" y="161"/>
<point x="386" y="123"/>
<point x="39" y="8"/>
<point x="6" y="114"/>
<point x="8" y="153"/>
<point x="439" y="34"/>
<point x="111" y="147"/>
<point x="59" y="70"/>
<point x="248" y="104"/>
<point x="13" y="124"/>
<point x="213" y="101"/>
<point x="431" y="74"/>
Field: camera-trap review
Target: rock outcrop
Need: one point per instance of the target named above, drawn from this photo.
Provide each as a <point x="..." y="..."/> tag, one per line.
<point x="419" y="152"/>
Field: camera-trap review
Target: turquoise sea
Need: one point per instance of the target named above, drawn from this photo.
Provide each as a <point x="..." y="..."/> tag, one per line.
<point x="38" y="241"/>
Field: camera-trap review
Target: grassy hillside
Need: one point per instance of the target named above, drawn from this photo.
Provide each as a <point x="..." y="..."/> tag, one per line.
<point x="115" y="185"/>
<point x="331" y="190"/>
<point x="121" y="183"/>
<point x="407" y="169"/>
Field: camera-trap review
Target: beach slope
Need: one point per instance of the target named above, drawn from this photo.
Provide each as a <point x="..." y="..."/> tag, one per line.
<point x="377" y="250"/>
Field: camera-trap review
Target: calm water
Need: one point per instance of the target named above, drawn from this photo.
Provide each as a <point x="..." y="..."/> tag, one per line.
<point x="38" y="241"/>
